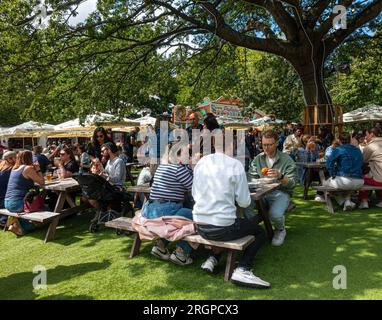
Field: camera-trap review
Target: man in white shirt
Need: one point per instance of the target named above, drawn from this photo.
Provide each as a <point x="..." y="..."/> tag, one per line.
<point x="219" y="182"/>
<point x="115" y="170"/>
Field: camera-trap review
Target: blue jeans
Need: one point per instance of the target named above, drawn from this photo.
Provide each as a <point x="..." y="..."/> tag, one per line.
<point x="278" y="203"/>
<point x="18" y="206"/>
<point x="155" y="209"/>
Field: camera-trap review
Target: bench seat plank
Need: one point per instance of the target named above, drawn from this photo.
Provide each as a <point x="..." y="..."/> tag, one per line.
<point x="41" y="216"/>
<point x="331" y="189"/>
<point x="124" y="223"/>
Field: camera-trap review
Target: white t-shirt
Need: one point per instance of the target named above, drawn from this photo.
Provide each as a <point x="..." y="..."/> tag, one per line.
<point x="219" y="181"/>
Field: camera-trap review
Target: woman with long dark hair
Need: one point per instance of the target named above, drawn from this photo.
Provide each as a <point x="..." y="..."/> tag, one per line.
<point x="100" y="137"/>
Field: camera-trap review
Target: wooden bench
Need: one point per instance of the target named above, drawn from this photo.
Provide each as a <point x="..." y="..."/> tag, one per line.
<point x="41" y="217"/>
<point x="233" y="246"/>
<point x="330" y="191"/>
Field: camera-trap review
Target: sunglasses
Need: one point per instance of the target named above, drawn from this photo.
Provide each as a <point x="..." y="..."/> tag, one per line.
<point x="62" y="154"/>
<point x="100" y="136"/>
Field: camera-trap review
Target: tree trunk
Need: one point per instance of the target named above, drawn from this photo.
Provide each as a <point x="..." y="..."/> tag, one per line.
<point x="315" y="92"/>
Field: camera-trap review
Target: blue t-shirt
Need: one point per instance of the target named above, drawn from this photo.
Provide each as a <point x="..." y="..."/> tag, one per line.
<point x="42" y="161"/>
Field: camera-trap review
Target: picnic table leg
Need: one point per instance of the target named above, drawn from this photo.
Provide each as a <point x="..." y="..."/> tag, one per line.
<point x="265" y="217"/>
<point x="51" y="230"/>
<point x="136" y="246"/>
<point x="230" y="264"/>
<point x="307" y="182"/>
<point x="53" y="225"/>
<point x="322" y="176"/>
<point x="329" y="203"/>
<point x="129" y="175"/>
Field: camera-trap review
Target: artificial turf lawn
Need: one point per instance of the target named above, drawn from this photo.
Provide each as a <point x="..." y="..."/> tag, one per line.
<point x="82" y="265"/>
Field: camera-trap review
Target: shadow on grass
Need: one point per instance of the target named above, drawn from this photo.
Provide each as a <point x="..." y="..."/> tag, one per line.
<point x="20" y="285"/>
<point x="300" y="269"/>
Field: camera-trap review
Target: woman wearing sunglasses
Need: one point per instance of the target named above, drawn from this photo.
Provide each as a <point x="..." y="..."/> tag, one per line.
<point x="67" y="164"/>
<point x="100" y="137"/>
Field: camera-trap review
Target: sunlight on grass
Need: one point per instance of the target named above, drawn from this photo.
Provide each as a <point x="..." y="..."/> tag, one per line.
<point x="82" y="265"/>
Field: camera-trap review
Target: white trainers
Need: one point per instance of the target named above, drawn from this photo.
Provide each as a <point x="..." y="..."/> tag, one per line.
<point x="349" y="205"/>
<point x="244" y="277"/>
<point x="279" y="237"/>
<point x="159" y="253"/>
<point x="181" y="259"/>
<point x="364" y="205"/>
<point x="210" y="264"/>
<point x="379" y="204"/>
<point x="319" y="198"/>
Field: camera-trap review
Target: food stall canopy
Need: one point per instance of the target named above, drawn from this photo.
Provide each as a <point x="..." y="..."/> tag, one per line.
<point x="368" y="113"/>
<point x="27" y="129"/>
<point x="266" y="120"/>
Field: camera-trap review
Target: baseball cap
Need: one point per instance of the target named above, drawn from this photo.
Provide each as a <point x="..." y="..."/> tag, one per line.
<point x="9" y="154"/>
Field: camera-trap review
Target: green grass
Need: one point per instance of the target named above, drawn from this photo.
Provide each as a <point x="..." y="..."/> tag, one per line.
<point x="81" y="265"/>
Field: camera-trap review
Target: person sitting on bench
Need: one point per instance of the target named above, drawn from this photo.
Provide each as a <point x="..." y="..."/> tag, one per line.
<point x="219" y="181"/>
<point x="372" y="154"/>
<point x="23" y="177"/>
<point x="345" y="169"/>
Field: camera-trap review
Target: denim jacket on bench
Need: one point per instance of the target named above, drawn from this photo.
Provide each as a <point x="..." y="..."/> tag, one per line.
<point x="345" y="161"/>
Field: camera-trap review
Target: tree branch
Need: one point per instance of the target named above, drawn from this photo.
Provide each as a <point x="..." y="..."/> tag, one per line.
<point x="369" y="13"/>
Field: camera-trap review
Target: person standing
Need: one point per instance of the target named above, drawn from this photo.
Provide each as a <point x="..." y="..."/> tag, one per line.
<point x="279" y="166"/>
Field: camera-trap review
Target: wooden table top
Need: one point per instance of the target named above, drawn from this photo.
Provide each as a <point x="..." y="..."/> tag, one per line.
<point x="143" y="189"/>
<point x="261" y="191"/>
<point x="62" y="185"/>
<point x="257" y="195"/>
<point x="314" y="165"/>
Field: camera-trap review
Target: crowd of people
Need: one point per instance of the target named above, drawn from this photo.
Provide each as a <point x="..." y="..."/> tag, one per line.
<point x="217" y="182"/>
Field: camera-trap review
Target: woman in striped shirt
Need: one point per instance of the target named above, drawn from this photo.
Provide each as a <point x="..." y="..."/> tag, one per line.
<point x="167" y="195"/>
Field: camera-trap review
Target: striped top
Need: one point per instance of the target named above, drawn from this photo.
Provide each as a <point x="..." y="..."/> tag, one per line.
<point x="171" y="181"/>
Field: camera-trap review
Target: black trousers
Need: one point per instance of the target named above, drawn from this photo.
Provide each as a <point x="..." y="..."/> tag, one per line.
<point x="241" y="228"/>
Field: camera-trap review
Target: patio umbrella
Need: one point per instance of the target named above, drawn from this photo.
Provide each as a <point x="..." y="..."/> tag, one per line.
<point x="27" y="129"/>
<point x="368" y="113"/>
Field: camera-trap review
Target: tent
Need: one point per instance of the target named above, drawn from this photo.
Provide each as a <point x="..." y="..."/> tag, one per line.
<point x="74" y="128"/>
<point x="146" y="120"/>
<point x="266" y="120"/>
<point x="27" y="129"/>
<point x="368" y="113"/>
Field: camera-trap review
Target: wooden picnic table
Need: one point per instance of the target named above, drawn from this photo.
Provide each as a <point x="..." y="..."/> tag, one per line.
<point x="129" y="176"/>
<point x="257" y="196"/>
<point x="311" y="167"/>
<point x="64" y="189"/>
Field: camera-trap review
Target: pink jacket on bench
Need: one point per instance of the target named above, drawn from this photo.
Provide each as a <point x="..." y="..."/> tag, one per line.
<point x="172" y="228"/>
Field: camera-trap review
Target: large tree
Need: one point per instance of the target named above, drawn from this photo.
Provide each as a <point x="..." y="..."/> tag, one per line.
<point x="302" y="32"/>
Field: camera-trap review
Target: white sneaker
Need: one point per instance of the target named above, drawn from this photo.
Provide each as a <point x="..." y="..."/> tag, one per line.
<point x="159" y="253"/>
<point x="210" y="264"/>
<point x="349" y="205"/>
<point x="181" y="259"/>
<point x="279" y="237"/>
<point x="247" y="278"/>
<point x="340" y="200"/>
<point x="364" y="205"/>
<point x="379" y="204"/>
<point x="319" y="198"/>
